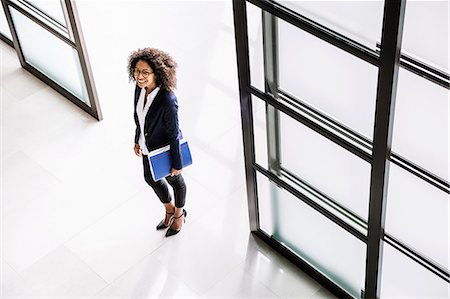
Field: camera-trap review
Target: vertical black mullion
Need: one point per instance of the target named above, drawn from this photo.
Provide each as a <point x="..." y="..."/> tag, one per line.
<point x="74" y="24"/>
<point x="394" y="12"/>
<point x="241" y="35"/>
<point x="12" y="29"/>
<point x="270" y="49"/>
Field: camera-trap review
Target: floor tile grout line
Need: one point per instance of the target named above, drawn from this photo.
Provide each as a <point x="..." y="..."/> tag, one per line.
<point x="85" y="263"/>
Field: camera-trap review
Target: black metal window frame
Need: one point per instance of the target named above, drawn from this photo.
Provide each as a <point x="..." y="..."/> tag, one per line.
<point x="388" y="60"/>
<point x="74" y="39"/>
<point x="5" y="38"/>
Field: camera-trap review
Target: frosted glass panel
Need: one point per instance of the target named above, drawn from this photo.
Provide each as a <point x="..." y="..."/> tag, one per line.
<point x="418" y="214"/>
<point x="360" y="20"/>
<point x="326" y="246"/>
<point x="52" y="8"/>
<point x="57" y="60"/>
<point x="333" y="170"/>
<point x="260" y="131"/>
<point x="337" y="83"/>
<point x="421" y="123"/>
<point x="255" y="46"/>
<point x="426" y="32"/>
<point x="4" y="28"/>
<point x="403" y="278"/>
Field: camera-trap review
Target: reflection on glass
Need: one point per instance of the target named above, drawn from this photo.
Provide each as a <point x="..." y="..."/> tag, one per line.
<point x="4" y="28"/>
<point x="330" y="249"/>
<point x="50" y="55"/>
<point x="359" y="20"/>
<point x="421" y="124"/>
<point x="426" y="32"/>
<point x="418" y="214"/>
<point x="53" y="8"/>
<point x="333" y="81"/>
<point x="326" y="166"/>
<point x="404" y="278"/>
<point x="260" y="131"/>
<point x="255" y="46"/>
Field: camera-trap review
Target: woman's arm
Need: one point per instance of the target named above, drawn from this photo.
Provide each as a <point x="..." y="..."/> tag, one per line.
<point x="172" y="130"/>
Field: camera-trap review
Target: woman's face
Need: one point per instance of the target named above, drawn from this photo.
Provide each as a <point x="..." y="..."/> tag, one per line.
<point x="144" y="76"/>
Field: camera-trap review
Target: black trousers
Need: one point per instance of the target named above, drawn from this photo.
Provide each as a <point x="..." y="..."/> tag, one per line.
<point x="161" y="189"/>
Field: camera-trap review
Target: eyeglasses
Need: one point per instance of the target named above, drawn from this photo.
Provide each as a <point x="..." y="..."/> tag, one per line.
<point x="144" y="73"/>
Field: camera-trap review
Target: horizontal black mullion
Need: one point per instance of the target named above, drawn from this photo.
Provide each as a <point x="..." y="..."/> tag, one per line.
<point x="298" y="181"/>
<point x="423" y="261"/>
<point x="320" y="31"/>
<point x="341" y="223"/>
<point x="319" y="116"/>
<point x="420" y="172"/>
<point x="408" y="65"/>
<point x="424" y="70"/>
<point x="361" y="140"/>
<point x="311" y="124"/>
<point x="306" y="267"/>
<point x="43" y="24"/>
<point x="425" y="66"/>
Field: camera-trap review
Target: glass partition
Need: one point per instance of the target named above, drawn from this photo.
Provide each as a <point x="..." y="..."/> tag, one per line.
<point x="421" y="125"/>
<point x="53" y="8"/>
<point x="335" y="252"/>
<point x="347" y="149"/>
<point x="404" y="278"/>
<point x="58" y="60"/>
<point x="426" y="32"/>
<point x="51" y="47"/>
<point x="418" y="214"/>
<point x="358" y="20"/>
<point x="331" y="80"/>
<point x="326" y="166"/>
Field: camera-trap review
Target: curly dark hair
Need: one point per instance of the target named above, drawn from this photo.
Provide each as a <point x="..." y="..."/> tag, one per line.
<point x="162" y="64"/>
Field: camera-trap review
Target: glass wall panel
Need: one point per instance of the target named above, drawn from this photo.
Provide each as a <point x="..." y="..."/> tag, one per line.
<point x="58" y="60"/>
<point x="326" y="166"/>
<point x="331" y="80"/>
<point x="260" y="131"/>
<point x="39" y="10"/>
<point x="421" y="125"/>
<point x="418" y="215"/>
<point x="404" y="278"/>
<point x="322" y="243"/>
<point x="4" y="28"/>
<point x="358" y="20"/>
<point x="255" y="46"/>
<point x="426" y="32"/>
<point x="53" y="8"/>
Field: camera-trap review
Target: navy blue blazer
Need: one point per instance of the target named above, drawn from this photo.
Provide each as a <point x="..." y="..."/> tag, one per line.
<point x="161" y="124"/>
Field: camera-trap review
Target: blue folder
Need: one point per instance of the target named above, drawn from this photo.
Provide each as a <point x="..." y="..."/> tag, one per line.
<point x="161" y="162"/>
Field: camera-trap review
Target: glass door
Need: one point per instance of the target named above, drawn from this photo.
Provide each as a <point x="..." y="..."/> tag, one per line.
<point x="48" y="40"/>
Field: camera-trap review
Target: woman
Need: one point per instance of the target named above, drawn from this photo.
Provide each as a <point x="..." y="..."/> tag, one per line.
<point x="156" y="117"/>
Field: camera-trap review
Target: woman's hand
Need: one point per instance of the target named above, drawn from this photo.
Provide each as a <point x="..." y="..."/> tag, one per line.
<point x="137" y="150"/>
<point x="175" y="172"/>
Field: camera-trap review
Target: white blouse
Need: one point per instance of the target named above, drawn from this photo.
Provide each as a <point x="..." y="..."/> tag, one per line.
<point x="142" y="113"/>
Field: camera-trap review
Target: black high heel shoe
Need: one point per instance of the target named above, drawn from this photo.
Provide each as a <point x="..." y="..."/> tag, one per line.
<point x="162" y="225"/>
<point x="171" y="231"/>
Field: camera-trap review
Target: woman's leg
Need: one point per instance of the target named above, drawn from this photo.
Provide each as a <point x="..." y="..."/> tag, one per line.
<point x="161" y="190"/>
<point x="179" y="190"/>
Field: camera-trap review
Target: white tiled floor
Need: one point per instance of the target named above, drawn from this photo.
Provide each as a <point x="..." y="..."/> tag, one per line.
<point x="77" y="218"/>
